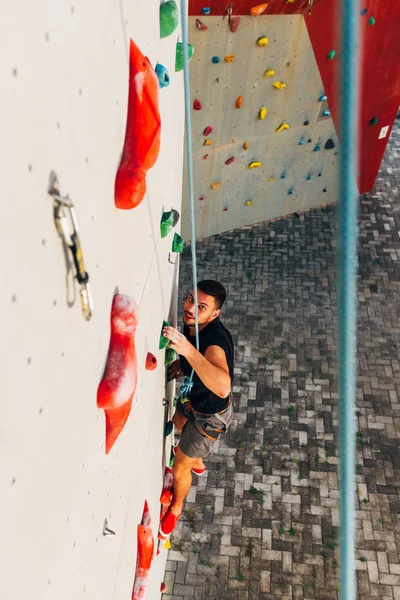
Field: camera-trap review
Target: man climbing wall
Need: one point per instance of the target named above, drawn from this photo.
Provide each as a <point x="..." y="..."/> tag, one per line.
<point x="206" y="410"/>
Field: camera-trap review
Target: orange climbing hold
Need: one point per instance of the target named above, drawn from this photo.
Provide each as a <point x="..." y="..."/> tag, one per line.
<point x="239" y="102"/>
<point x="229" y="58"/>
<point x="118" y="384"/>
<point x="216" y="185"/>
<point x="258" y="10"/>
<point x="246" y="145"/>
<point x="145" y="552"/>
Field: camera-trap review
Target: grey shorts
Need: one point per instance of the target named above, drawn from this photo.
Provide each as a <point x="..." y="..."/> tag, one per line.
<point x="193" y="442"/>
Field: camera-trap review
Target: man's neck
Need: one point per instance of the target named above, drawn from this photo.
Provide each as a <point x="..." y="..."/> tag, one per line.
<point x="192" y="330"/>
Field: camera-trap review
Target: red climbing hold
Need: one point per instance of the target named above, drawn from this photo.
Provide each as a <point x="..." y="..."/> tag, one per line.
<point x="230" y="160"/>
<point x="142" y="136"/>
<point x="225" y="209"/>
<point x="118" y="384"/>
<point x="197" y="105"/>
<point x="145" y="552"/>
<point x="163" y="587"/>
<point x="234" y="24"/>
<point x="201" y="198"/>
<point x="207" y="130"/>
<point x="204" y="157"/>
<point x="151" y="362"/>
<point x="201" y="25"/>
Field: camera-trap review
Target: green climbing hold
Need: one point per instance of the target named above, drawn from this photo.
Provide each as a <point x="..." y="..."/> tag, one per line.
<point x="177" y="243"/>
<point x="169" y="18"/>
<point x="179" y="55"/>
<point x="331" y="54"/>
<point x="169" y="356"/>
<point x="171" y="457"/>
<point x="371" y="21"/>
<point x="168" y="221"/>
<point x="163" y="340"/>
<point x="374" y="121"/>
<point x="169" y="426"/>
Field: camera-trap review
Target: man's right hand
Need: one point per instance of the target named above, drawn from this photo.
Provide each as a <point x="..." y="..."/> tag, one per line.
<point x="175" y="371"/>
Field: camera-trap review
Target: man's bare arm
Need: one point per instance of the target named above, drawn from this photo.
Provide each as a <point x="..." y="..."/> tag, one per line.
<point x="212" y="369"/>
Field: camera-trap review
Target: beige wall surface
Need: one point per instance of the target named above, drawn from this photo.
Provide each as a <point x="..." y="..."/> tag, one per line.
<point x="64" y="82"/>
<point x="217" y="86"/>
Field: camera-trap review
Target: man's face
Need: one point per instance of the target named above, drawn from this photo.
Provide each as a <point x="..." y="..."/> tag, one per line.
<point x="208" y="310"/>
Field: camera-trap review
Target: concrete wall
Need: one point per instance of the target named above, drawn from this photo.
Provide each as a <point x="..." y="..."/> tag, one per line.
<point x="64" y="82"/>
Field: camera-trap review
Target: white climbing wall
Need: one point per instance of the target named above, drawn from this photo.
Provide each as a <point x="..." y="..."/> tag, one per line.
<point x="217" y="86"/>
<point x="64" y="86"/>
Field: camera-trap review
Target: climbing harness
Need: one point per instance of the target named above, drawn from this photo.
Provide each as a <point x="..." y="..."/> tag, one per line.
<point x="66" y="223"/>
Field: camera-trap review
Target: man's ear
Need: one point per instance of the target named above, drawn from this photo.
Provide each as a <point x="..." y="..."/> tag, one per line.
<point x="216" y="313"/>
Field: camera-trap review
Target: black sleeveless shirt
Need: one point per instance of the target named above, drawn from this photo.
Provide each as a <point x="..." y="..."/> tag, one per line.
<point x="214" y="334"/>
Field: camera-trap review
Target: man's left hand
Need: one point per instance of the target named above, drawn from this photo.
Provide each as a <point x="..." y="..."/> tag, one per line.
<point x="178" y="342"/>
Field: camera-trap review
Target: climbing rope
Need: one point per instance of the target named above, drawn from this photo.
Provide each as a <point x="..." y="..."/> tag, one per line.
<point x="188" y="381"/>
<point x="347" y="293"/>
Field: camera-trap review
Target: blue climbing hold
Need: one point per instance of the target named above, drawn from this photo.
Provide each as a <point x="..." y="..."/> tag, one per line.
<point x="317" y="148"/>
<point x="308" y="177"/>
<point x="290" y="191"/>
<point x="302" y="142"/>
<point x="206" y="10"/>
<point x="326" y="113"/>
<point x="306" y="123"/>
<point x="283" y="176"/>
<point x="363" y="12"/>
<point x="323" y="98"/>
<point x="216" y="59"/>
<point x="163" y="75"/>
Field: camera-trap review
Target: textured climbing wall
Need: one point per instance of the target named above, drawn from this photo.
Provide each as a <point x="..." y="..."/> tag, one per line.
<point x="64" y="82"/>
<point x="296" y="170"/>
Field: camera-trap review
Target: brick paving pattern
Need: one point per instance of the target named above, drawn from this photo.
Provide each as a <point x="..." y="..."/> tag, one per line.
<point x="263" y="523"/>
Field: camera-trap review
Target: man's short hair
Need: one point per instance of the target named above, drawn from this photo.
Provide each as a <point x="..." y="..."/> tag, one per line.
<point x="213" y="288"/>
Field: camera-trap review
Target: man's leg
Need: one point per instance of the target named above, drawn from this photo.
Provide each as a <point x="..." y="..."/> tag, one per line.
<point x="179" y="421"/>
<point x="182" y="479"/>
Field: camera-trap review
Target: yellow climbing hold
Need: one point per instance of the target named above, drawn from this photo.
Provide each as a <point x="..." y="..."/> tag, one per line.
<point x="229" y="58"/>
<point x="269" y="73"/>
<point x="167" y="544"/>
<point x="216" y="185"/>
<point x="239" y="102"/>
<point x="254" y="164"/>
<point x="272" y="178"/>
<point x="262" y="41"/>
<point x="207" y="142"/>
<point x="282" y="127"/>
<point x="262" y="113"/>
<point x="279" y="85"/>
<point x="246" y="146"/>
<point x="248" y="203"/>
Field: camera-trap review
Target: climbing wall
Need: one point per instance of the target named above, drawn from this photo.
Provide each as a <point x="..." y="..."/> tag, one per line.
<point x="64" y="71"/>
<point x="286" y="60"/>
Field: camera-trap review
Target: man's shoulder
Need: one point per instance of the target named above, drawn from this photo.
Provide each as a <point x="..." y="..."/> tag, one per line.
<point x="217" y="329"/>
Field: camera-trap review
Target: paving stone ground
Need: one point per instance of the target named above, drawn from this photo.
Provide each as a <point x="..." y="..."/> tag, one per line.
<point x="263" y="523"/>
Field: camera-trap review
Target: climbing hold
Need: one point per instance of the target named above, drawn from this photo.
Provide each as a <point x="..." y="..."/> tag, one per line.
<point x="168" y="221"/>
<point x="317" y="148"/>
<point x="283" y="176"/>
<point x="306" y="123"/>
<point x="331" y="54"/>
<point x="197" y="105"/>
<point x="169" y="18"/>
<point x="234" y="24"/>
<point x="258" y="10"/>
<point x="216" y="185"/>
<point x="239" y="102"/>
<point x="309" y="141"/>
<point x="323" y="98"/>
<point x="169" y="356"/>
<point x="363" y="12"/>
<point x="207" y="130"/>
<point x="326" y="113"/>
<point x="216" y="60"/>
<point x="151" y="362"/>
<point x="263" y="113"/>
<point x="230" y="160"/>
<point x="179" y="55"/>
<point x="371" y="21"/>
<point x="279" y="85"/>
<point x="302" y="142"/>
<point x="163" y="75"/>
<point x="272" y="178"/>
<point x="229" y="58"/>
<point x="118" y="384"/>
<point x="290" y="191"/>
<point x="319" y="174"/>
<point x="207" y="142"/>
<point x="144" y="556"/>
<point x="245" y="146"/>
<point x="324" y="190"/>
<point x="269" y="73"/>
<point x="308" y="177"/>
<point x="167" y="544"/>
<point x="262" y="41"/>
<point x="142" y="136"/>
<point x="248" y="203"/>
<point x="225" y="209"/>
<point x="204" y="157"/>
<point x="374" y="121"/>
<point x="254" y="164"/>
<point x="201" y="25"/>
<point x="166" y="492"/>
<point x="330" y="144"/>
<point x="163" y="587"/>
<point x="177" y="243"/>
<point x="201" y="198"/>
<point x="206" y="10"/>
<point x="282" y="127"/>
<point x="163" y="343"/>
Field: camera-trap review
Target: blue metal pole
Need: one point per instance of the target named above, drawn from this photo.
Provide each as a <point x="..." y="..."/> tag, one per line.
<point x="188" y="126"/>
<point x="347" y="291"/>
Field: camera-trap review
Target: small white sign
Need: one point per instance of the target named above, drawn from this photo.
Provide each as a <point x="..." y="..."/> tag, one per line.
<point x="384" y="132"/>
